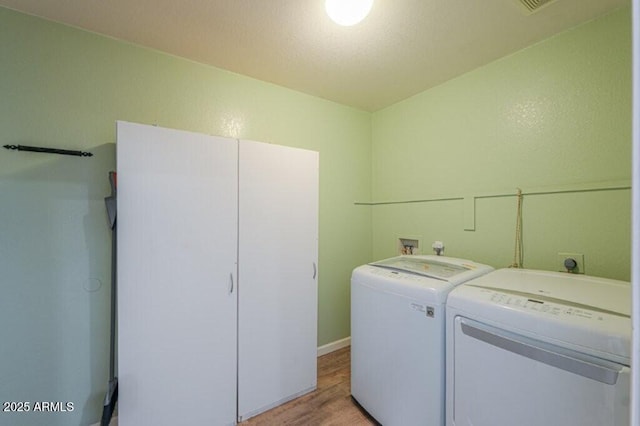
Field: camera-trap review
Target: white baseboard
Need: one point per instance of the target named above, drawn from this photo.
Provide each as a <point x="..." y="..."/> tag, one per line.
<point x="334" y="346"/>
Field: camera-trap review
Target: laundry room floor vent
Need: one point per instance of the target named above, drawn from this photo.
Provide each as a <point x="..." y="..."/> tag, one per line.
<point x="534" y="5"/>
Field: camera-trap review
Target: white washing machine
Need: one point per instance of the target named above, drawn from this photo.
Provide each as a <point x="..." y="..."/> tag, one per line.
<point x="397" y="336"/>
<point x="534" y="348"/>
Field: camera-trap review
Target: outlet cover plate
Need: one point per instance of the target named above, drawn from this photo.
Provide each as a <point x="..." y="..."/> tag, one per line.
<point x="578" y="257"/>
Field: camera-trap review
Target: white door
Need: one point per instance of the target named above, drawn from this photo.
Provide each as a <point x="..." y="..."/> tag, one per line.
<point x="177" y="298"/>
<point x="278" y="251"/>
<point x="504" y="379"/>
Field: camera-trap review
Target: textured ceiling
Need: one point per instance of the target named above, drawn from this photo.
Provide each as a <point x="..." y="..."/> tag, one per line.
<point x="402" y="48"/>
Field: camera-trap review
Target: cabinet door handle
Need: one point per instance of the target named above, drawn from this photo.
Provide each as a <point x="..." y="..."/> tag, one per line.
<point x="315" y="270"/>
<point x="231" y="283"/>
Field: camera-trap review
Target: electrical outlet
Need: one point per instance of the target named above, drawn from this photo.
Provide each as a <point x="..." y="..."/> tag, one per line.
<point x="579" y="259"/>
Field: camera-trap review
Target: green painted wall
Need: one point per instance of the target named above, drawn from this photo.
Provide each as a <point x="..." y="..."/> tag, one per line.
<point x="63" y="87"/>
<point x="554" y="115"/>
<point x="551" y="116"/>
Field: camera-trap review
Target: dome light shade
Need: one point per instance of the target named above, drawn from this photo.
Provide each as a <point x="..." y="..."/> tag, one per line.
<point x="348" y="12"/>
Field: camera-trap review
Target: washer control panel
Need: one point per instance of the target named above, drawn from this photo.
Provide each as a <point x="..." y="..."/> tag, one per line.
<point x="398" y="275"/>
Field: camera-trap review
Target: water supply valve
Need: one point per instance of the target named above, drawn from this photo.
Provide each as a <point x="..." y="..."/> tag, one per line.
<point x="438" y="247"/>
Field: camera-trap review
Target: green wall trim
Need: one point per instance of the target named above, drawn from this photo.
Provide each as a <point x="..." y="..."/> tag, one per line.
<point x="565" y="189"/>
<point x="469" y="201"/>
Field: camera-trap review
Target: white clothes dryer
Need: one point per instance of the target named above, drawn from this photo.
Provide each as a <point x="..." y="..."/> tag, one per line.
<point x="534" y="348"/>
<point x="397" y="336"/>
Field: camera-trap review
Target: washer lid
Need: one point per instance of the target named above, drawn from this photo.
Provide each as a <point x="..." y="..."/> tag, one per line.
<point x="442" y="268"/>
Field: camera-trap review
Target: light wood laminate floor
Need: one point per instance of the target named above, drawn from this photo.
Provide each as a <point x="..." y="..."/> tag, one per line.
<point x="330" y="404"/>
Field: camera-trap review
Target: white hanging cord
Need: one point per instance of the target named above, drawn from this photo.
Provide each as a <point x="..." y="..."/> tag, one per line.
<point x="517" y="255"/>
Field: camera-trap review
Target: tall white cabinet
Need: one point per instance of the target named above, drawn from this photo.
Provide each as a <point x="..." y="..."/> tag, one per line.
<point x="217" y="276"/>
<point x="278" y="251"/>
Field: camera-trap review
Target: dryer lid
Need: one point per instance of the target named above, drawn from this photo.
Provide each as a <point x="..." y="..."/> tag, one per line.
<point x="583" y="313"/>
<point x="601" y="294"/>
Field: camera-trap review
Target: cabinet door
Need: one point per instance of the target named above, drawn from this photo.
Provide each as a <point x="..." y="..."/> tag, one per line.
<point x="177" y="298"/>
<point x="278" y="250"/>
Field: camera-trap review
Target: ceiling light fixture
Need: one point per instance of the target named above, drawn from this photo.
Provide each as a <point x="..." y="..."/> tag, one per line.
<point x="348" y="12"/>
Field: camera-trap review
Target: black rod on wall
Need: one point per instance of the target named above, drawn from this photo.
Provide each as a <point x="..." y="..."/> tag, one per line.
<point x="49" y="150"/>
